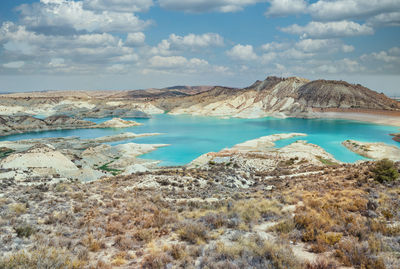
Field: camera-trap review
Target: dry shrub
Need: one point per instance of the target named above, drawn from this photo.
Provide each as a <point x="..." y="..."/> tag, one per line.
<point x="214" y="220"/>
<point x="178" y="251"/>
<point x="253" y="252"/>
<point x="144" y="235"/>
<point x="284" y="227"/>
<point x="24" y="230"/>
<point x="18" y="208"/>
<point x="102" y="265"/>
<point x="254" y="210"/>
<point x="120" y="259"/>
<point x="93" y="244"/>
<point x="156" y="258"/>
<point x="193" y="232"/>
<point x="42" y="257"/>
<point x="351" y="252"/>
<point x="124" y="243"/>
<point x="320" y="263"/>
<point x="114" y="228"/>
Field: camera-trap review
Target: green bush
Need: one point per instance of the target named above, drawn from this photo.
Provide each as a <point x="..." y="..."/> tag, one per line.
<point x="24" y="230"/>
<point x="385" y="171"/>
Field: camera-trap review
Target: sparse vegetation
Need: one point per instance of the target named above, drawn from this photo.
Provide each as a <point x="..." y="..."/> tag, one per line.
<point x="385" y="171"/>
<point x="253" y="252"/>
<point x="343" y="220"/>
<point x="193" y="232"/>
<point x="18" y="208"/>
<point x="113" y="171"/>
<point x="4" y="152"/>
<point x="326" y="161"/>
<point x="43" y="257"/>
<point x="24" y="230"/>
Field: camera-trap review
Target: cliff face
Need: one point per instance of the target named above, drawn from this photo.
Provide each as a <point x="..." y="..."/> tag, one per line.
<point x="340" y="94"/>
<point x="279" y="97"/>
<point x="20" y="124"/>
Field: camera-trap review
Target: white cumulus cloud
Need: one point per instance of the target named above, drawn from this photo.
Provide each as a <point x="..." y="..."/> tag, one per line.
<point x="351" y="9"/>
<point x="16" y="64"/>
<point x="118" y="5"/>
<point x="135" y="39"/>
<point x="199" y="6"/>
<point x="325" y="45"/>
<point x="385" y="19"/>
<point x="286" y="7"/>
<point x="63" y="16"/>
<point x="199" y="41"/>
<point x="242" y="52"/>
<point x="272" y="46"/>
<point x="325" y="30"/>
<point x="177" y="62"/>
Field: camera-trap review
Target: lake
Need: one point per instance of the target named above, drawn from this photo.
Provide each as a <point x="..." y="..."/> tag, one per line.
<point x="192" y="136"/>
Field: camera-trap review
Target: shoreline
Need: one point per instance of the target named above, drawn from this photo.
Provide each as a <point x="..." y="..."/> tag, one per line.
<point x="391" y="118"/>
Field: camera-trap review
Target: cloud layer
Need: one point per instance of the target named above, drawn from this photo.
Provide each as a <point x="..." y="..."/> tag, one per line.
<point x="124" y="37"/>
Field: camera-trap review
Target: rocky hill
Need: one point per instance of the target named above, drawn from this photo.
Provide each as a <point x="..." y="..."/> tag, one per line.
<point x="340" y="94"/>
<point x="20" y="124"/>
<point x="280" y="97"/>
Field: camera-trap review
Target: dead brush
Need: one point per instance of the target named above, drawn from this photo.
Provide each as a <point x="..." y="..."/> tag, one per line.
<point x="193" y="232"/>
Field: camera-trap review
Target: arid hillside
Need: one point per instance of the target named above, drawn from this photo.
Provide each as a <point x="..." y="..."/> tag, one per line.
<point x="278" y="97"/>
<point x="281" y="97"/>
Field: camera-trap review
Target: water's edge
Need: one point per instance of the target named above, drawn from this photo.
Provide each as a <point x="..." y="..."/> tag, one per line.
<point x="192" y="136"/>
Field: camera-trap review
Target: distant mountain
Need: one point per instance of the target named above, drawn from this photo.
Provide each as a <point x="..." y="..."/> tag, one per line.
<point x="291" y="96"/>
<point x="113" y="94"/>
<point x="174" y="91"/>
<point x="274" y="96"/>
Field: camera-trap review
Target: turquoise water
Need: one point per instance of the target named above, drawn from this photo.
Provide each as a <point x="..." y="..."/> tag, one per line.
<point x="192" y="136"/>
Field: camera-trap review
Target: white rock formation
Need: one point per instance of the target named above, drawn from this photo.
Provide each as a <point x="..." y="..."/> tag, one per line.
<point x="376" y="151"/>
<point x="117" y="123"/>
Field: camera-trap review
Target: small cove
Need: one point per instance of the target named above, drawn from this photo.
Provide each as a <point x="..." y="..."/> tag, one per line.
<point x="191" y="136"/>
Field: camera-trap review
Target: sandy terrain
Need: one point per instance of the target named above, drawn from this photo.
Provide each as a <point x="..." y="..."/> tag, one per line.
<point x="374" y="116"/>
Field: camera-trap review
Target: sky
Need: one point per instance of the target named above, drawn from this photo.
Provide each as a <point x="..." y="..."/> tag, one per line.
<point x="137" y="44"/>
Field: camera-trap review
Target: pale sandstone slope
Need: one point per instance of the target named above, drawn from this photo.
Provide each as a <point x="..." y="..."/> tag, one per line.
<point x="21" y="124"/>
<point x="263" y="148"/>
<point x="281" y="97"/>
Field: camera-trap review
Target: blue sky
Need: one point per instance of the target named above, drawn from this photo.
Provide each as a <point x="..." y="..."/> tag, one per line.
<point x="132" y="44"/>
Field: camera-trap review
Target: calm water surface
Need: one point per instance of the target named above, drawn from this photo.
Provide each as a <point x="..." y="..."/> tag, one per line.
<point x="191" y="136"/>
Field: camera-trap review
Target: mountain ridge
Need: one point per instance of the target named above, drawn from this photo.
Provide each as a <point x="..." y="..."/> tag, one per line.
<point x="274" y="96"/>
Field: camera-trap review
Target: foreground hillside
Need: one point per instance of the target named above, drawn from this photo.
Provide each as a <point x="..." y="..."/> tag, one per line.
<point x="243" y="210"/>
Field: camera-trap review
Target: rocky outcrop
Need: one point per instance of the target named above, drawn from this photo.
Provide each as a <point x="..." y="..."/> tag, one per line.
<point x="261" y="152"/>
<point x="376" y="151"/>
<point x="396" y="137"/>
<point x="118" y="123"/>
<point x="21" y="124"/>
<point x="72" y="158"/>
<point x="280" y="97"/>
<point x="40" y="156"/>
<point x="76" y="107"/>
<point x="340" y="94"/>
